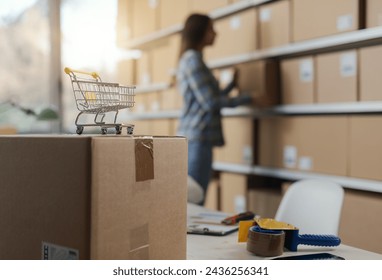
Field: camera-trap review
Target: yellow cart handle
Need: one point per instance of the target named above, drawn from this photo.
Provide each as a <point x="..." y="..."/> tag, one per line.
<point x="68" y="70"/>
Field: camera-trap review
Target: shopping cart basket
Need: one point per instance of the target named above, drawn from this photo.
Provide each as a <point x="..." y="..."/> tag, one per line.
<point x="93" y="96"/>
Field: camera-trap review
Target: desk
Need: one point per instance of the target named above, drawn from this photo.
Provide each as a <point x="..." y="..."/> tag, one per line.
<point x="205" y="247"/>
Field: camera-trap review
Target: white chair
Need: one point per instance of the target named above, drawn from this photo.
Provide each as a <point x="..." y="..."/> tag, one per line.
<point x="313" y="206"/>
<point x="194" y="190"/>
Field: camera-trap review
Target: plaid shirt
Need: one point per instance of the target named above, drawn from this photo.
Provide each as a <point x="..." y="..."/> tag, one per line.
<point x="200" y="118"/>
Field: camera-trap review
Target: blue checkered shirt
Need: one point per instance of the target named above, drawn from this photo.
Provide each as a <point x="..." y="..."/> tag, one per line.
<point x="200" y="117"/>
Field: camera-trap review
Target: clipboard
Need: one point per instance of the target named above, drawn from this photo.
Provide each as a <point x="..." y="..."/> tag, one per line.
<point x="209" y="223"/>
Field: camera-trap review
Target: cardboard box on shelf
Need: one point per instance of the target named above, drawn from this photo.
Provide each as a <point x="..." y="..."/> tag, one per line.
<point x="236" y="34"/>
<point x="170" y="99"/>
<point x="370" y="82"/>
<point x="233" y="188"/>
<point x="126" y="73"/>
<point x="101" y="197"/>
<point x="261" y="80"/>
<point x="274" y="24"/>
<point x="173" y="12"/>
<point x="337" y="77"/>
<point x="145" y="17"/>
<point x="202" y="6"/>
<point x="239" y="141"/>
<point x="309" y="143"/>
<point x="143" y="69"/>
<point x="313" y="19"/>
<point x="298" y="80"/>
<point x="365" y="147"/>
<point x="124" y="22"/>
<point x="373" y="13"/>
<point x="365" y="208"/>
<point x="164" y="59"/>
<point x="263" y="200"/>
<point x="146" y="102"/>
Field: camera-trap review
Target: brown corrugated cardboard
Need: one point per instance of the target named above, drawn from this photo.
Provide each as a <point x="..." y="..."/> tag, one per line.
<point x="233" y="192"/>
<point x="165" y="54"/>
<point x="82" y="193"/>
<point x="126" y="73"/>
<point x="236" y="34"/>
<point x="172" y="12"/>
<point x="239" y="141"/>
<point x="312" y="18"/>
<point x="298" y="80"/>
<point x="261" y="80"/>
<point x="361" y="225"/>
<point x="370" y="69"/>
<point x="365" y="147"/>
<point x="124" y="22"/>
<point x="144" y="25"/>
<point x="263" y="200"/>
<point x="337" y="77"/>
<point x="202" y="6"/>
<point x="309" y="143"/>
<point x="274" y="24"/>
<point x="143" y="75"/>
<point x="373" y="13"/>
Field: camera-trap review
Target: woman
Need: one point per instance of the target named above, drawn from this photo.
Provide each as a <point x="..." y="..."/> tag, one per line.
<point x="200" y="119"/>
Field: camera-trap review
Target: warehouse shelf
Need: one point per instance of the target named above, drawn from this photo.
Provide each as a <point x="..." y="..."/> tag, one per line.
<point x="347" y="182"/>
<point x="352" y="39"/>
<point x="216" y="14"/>
<point x="152" y="87"/>
<point x="306" y="109"/>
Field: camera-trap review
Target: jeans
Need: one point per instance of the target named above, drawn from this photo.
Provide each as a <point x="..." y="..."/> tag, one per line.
<point x="200" y="163"/>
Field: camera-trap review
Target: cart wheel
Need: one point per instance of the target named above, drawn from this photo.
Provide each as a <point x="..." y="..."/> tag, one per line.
<point x="130" y="130"/>
<point x="118" y="129"/>
<point x="79" y="130"/>
<point x="104" y="130"/>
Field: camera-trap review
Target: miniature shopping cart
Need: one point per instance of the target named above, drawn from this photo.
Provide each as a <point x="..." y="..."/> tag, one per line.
<point x="93" y="96"/>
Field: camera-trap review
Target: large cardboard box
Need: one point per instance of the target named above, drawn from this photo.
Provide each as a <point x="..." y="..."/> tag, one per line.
<point x="308" y="143"/>
<point x="239" y="137"/>
<point x="373" y="13"/>
<point x="172" y="12"/>
<point x="236" y="34"/>
<point x="298" y="80"/>
<point x="274" y="24"/>
<point x="260" y="79"/>
<point x="365" y="147"/>
<point x="102" y="197"/>
<point x="202" y="6"/>
<point x="370" y="69"/>
<point x="145" y="17"/>
<point x="312" y="18"/>
<point x="337" y="77"/>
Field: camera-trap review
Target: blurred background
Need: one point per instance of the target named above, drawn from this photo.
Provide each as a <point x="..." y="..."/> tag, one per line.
<point x="38" y="39"/>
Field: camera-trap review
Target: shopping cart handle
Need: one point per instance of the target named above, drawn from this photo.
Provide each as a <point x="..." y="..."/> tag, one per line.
<point x="68" y="70"/>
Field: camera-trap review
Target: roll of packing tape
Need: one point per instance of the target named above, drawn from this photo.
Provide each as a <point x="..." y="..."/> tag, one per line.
<point x="265" y="243"/>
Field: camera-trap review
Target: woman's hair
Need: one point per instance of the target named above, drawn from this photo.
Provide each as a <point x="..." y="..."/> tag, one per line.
<point x="193" y="31"/>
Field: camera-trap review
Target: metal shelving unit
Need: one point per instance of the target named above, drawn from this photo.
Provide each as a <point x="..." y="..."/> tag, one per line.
<point x="348" y="182"/>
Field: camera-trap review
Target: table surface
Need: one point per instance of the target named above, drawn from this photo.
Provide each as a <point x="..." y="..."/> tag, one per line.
<point x="205" y="247"/>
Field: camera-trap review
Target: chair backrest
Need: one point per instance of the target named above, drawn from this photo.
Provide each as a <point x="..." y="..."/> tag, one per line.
<point x="313" y="206"/>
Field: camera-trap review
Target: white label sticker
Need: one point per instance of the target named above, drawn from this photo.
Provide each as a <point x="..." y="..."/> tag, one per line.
<point x="235" y="22"/>
<point x="344" y="22"/>
<point x="306" y="70"/>
<point x="290" y="156"/>
<point x="305" y="163"/>
<point x="265" y="15"/>
<point x="247" y="155"/>
<point x="348" y="64"/>
<point x="153" y="3"/>
<point x="240" y="203"/>
<point x="226" y="76"/>
<point x="51" y="251"/>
